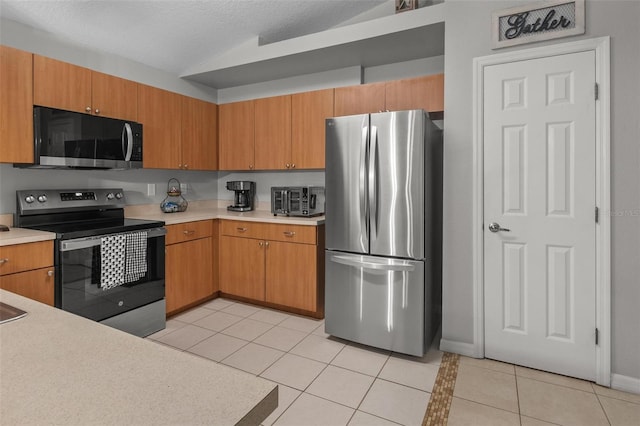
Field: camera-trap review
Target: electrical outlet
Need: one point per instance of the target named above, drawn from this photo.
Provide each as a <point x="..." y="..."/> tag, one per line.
<point x="183" y="188"/>
<point x="151" y="189"/>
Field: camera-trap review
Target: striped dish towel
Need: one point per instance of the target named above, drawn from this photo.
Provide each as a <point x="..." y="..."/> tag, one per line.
<point x="136" y="256"/>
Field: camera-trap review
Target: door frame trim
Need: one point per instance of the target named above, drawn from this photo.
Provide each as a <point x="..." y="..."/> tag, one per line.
<point x="601" y="46"/>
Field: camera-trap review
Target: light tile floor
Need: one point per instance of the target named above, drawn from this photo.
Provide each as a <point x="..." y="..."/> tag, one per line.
<point x="322" y="380"/>
<point x="492" y="393"/>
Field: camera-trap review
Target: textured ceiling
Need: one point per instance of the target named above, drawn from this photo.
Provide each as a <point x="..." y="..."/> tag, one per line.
<point x="175" y="36"/>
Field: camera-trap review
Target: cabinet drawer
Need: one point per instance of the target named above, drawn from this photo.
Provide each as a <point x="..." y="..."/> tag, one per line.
<point x="189" y="231"/>
<point x="25" y="257"/>
<point x="238" y="228"/>
<point x="292" y="233"/>
<point x="36" y="285"/>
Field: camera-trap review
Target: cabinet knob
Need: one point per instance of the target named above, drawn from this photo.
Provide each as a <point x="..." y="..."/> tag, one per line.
<point x="261" y="243"/>
<point x="5" y="260"/>
<point x="250" y="166"/>
<point x="88" y="109"/>
<point x="287" y="165"/>
<point x="97" y="111"/>
<point x="266" y="243"/>
<point x="293" y="166"/>
<point x="289" y="233"/>
<point x="50" y="273"/>
<point x="186" y="166"/>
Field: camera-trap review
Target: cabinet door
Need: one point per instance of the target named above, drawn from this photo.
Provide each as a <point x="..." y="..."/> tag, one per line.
<point x="188" y="273"/>
<point x="16" y="106"/>
<point x="236" y="136"/>
<point x="291" y="275"/>
<point x="242" y="267"/>
<point x="273" y="133"/>
<point x="160" y="113"/>
<point x="36" y="284"/>
<point x="199" y="134"/>
<point x="362" y="99"/>
<point x="24" y="257"/>
<point x="425" y="92"/>
<point x="308" y="113"/>
<point x="61" y="85"/>
<point x="114" y="97"/>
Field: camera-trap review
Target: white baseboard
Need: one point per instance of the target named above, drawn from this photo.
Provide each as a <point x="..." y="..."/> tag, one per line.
<point x="625" y="383"/>
<point x="461" y="348"/>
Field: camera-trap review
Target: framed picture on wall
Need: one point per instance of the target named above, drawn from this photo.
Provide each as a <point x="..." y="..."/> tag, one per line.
<point x="404" y="5"/>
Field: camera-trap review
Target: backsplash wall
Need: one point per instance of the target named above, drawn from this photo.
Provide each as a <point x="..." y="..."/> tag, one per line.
<point x="201" y="185"/>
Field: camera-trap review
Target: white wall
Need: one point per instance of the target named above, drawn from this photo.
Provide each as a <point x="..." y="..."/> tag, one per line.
<point x="468" y="35"/>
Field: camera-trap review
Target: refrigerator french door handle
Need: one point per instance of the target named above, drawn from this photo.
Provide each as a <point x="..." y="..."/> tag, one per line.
<point x="364" y="217"/>
<point x="399" y="267"/>
<point x="373" y="182"/>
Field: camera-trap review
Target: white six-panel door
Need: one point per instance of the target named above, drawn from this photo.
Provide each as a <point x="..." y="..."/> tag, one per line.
<point x="539" y="183"/>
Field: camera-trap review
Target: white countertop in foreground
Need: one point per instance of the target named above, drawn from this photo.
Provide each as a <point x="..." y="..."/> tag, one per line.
<point x="59" y="368"/>
<point x="22" y="236"/>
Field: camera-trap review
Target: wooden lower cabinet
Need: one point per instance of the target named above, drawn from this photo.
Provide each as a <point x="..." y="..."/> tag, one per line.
<point x="242" y="267"/>
<point x="189" y="270"/>
<point x="259" y="268"/>
<point x="27" y="270"/>
<point x="37" y="284"/>
<point x="291" y="275"/>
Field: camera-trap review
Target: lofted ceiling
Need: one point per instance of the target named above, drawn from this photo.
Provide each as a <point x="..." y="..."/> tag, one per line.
<point x="225" y="43"/>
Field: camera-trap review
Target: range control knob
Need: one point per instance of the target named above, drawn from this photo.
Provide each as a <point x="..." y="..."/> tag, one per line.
<point x="42" y="198"/>
<point x="110" y="196"/>
<point x="119" y="195"/>
<point x="29" y="199"/>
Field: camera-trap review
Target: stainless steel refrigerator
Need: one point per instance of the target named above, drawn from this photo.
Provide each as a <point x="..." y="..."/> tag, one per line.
<point x="383" y="229"/>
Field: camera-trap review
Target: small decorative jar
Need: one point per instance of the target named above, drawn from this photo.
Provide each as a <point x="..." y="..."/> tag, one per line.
<point x="174" y="202"/>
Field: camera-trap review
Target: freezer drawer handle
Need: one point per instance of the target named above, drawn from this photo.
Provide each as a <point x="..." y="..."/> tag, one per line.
<point x="373" y="265"/>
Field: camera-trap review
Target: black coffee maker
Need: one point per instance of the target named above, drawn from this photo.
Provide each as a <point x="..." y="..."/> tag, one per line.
<point x="245" y="192"/>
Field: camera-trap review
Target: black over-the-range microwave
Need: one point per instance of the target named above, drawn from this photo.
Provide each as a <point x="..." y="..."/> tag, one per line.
<point x="65" y="139"/>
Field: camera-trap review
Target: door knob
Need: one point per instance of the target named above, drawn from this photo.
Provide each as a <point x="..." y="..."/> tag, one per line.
<point x="495" y="227"/>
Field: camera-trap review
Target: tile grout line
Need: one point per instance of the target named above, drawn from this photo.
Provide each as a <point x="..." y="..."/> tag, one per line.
<point x="437" y="412"/>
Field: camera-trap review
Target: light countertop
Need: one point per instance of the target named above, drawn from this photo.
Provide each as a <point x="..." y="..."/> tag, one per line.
<point x="214" y="209"/>
<point x="22" y="236"/>
<point x="59" y="368"/>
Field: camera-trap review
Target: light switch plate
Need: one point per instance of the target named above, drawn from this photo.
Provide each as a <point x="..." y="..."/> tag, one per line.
<point x="151" y="189"/>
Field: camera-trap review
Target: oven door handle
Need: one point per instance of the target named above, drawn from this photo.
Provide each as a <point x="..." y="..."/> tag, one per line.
<point x="82" y="243"/>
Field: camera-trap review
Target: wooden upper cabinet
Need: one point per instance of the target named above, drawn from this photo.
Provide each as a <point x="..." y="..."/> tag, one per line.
<point x="114" y="97"/>
<point x="426" y="92"/>
<point x="361" y="99"/>
<point x="309" y="110"/>
<point x="273" y="133"/>
<point x="199" y="134"/>
<point x="160" y="113"/>
<point x="61" y="85"/>
<point x="16" y="106"/>
<point x="236" y="136"/>
<point x="66" y="86"/>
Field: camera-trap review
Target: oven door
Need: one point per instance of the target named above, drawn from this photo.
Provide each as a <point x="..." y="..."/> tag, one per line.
<point x="78" y="284"/>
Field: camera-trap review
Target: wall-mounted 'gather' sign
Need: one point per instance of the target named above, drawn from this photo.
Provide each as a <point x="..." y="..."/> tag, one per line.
<point x="541" y="21"/>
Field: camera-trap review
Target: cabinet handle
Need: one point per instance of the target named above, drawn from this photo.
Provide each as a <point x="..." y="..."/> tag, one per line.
<point x="289" y="233"/>
<point x="188" y="232"/>
<point x="97" y="111"/>
<point x="287" y="165"/>
<point x="50" y="273"/>
<point x="88" y="109"/>
<point x="266" y="243"/>
<point x="186" y="166"/>
<point x="241" y="229"/>
<point x="261" y="243"/>
<point x="250" y="166"/>
<point x="293" y="166"/>
<point x="5" y="260"/>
